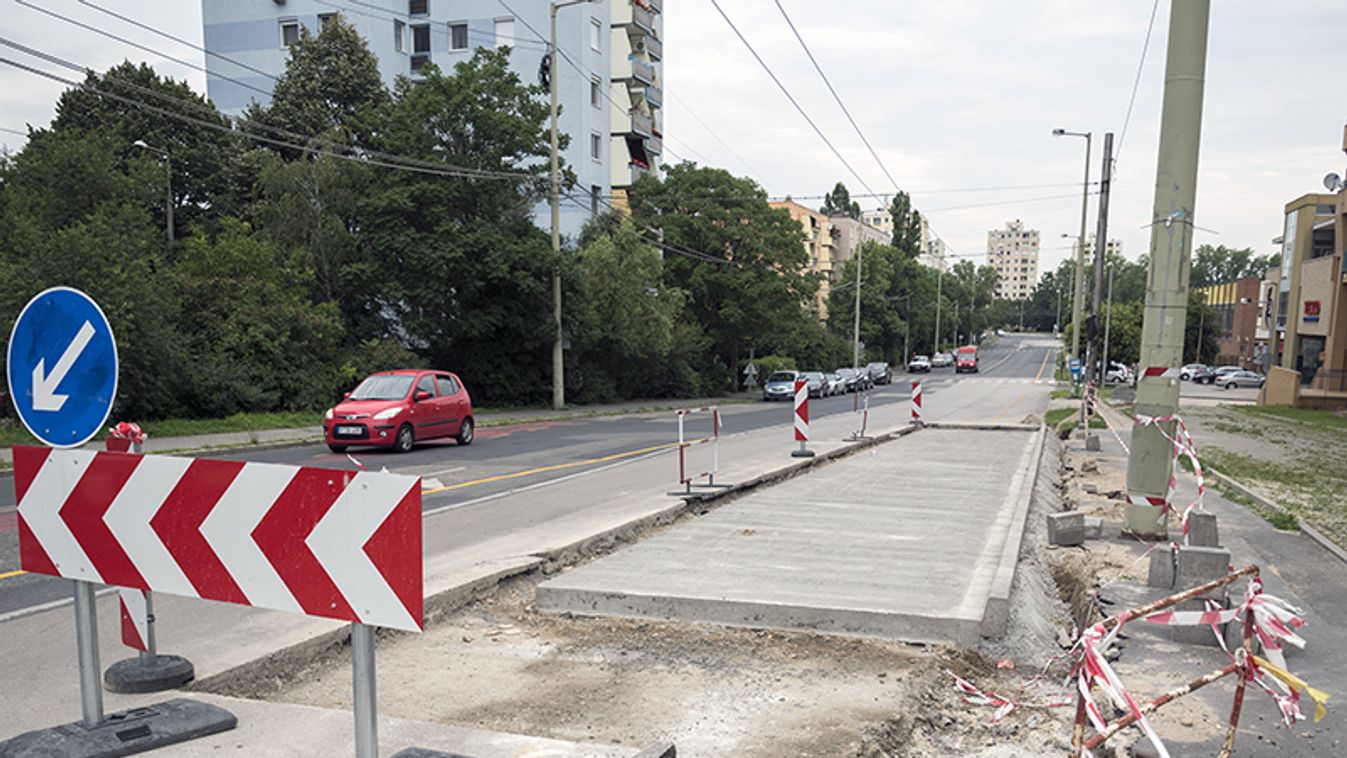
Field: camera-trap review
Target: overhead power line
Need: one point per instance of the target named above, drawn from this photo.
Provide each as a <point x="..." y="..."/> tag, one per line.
<point x="1136" y="84"/>
<point x="789" y="96"/>
<point x="836" y="96"/>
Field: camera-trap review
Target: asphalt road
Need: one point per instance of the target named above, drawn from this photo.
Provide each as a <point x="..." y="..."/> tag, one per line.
<point x="1015" y="377"/>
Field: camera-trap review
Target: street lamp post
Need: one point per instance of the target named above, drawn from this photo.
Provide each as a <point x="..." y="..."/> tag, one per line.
<point x="168" y="167"/>
<point x="1078" y="298"/>
<point x="558" y="355"/>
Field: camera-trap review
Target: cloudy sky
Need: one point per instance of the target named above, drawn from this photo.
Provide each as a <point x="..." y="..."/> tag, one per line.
<point x="958" y="97"/>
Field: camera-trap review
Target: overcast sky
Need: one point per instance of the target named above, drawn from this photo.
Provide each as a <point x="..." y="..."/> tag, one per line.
<point x="958" y="97"/>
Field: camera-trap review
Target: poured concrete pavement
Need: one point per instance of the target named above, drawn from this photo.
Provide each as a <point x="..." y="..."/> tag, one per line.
<point x="914" y="540"/>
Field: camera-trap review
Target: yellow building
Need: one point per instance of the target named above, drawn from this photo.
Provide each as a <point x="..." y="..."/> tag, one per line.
<point x="819" y="245"/>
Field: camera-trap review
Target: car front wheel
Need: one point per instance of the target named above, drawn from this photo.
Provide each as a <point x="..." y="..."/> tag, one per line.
<point x="465" y="432"/>
<point x="405" y="440"/>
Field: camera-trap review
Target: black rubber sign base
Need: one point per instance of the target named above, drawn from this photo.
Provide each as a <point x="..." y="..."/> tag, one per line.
<point x="165" y="672"/>
<point x="124" y="733"/>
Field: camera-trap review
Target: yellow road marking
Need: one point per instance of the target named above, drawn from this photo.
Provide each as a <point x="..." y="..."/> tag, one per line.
<point x="545" y="469"/>
<point x="1041" y="369"/>
<point x="12" y="574"/>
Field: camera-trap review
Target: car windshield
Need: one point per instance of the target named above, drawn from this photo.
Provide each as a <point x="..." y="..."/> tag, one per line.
<point x="383" y="387"/>
<point x="813" y="376"/>
<point x="781" y="376"/>
<point x="844" y="372"/>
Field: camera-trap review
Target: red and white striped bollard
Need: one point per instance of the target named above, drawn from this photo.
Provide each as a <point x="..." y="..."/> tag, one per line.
<point x="916" y="402"/>
<point x="802" y="418"/>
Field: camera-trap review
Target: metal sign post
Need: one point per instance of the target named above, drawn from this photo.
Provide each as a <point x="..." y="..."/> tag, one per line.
<point x="86" y="643"/>
<point x="365" y="699"/>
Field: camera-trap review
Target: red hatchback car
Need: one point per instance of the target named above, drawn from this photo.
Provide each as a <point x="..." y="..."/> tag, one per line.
<point x="397" y="408"/>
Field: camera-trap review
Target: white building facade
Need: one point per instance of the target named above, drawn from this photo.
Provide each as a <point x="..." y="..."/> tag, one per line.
<point x="1013" y="252"/>
<point x="609" y="73"/>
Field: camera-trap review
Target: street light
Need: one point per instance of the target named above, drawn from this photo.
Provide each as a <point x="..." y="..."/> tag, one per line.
<point x="1078" y="299"/>
<point x="168" y="166"/>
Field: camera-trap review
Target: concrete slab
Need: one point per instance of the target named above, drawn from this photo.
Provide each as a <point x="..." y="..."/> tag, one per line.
<point x="902" y="542"/>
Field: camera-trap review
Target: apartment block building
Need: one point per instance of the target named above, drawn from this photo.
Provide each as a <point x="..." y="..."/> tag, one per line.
<point x="609" y="73"/>
<point x="1013" y="252"/>
<point x="820" y="244"/>
<point x="849" y="234"/>
<point x="880" y="219"/>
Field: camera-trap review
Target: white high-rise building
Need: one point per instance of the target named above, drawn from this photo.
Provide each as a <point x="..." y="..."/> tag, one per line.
<point x="1013" y="252"/>
<point x="611" y="97"/>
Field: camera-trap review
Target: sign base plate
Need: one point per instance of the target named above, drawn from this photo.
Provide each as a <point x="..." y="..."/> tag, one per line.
<point x="167" y="672"/>
<point x="128" y="732"/>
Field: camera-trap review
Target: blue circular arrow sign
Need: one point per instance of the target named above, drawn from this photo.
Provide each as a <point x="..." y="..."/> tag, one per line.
<point x="62" y="365"/>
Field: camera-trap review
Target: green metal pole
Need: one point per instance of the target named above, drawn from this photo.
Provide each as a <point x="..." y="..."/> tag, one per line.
<point x="1150" y="463"/>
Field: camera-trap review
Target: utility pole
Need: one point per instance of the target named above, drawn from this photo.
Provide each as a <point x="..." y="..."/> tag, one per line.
<point x="856" y="320"/>
<point x="1100" y="250"/>
<point x="939" y="279"/>
<point x="1108" y="322"/>
<point x="1150" y="463"/>
<point x="1078" y="298"/>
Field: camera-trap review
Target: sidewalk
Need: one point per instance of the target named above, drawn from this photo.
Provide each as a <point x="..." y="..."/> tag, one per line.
<point x="1293" y="567"/>
<point x="301" y="435"/>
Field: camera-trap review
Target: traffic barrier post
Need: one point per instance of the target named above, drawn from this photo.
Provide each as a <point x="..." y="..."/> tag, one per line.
<point x="688" y="478"/>
<point x="916" y="403"/>
<point x="802" y="419"/>
<point x="861" y="406"/>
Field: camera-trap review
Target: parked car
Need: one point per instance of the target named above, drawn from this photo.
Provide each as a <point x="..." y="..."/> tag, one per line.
<point x="1187" y="372"/>
<point x="880" y="373"/>
<point x="1209" y="375"/>
<point x="1241" y="378"/>
<point x="966" y="360"/>
<point x="942" y="360"/>
<point x="836" y="384"/>
<point x="1118" y="373"/>
<point x="855" y="379"/>
<point x="817" y="384"/>
<point x="780" y="386"/>
<point x="397" y="409"/>
<point x="919" y="364"/>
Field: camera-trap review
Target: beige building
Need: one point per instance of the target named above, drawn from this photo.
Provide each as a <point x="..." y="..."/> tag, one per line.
<point x="1013" y="252"/>
<point x="880" y="219"/>
<point x="848" y="234"/>
<point x="1114" y="247"/>
<point x="821" y="246"/>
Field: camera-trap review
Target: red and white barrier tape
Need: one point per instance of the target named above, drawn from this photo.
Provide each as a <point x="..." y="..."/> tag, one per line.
<point x="1181" y="444"/>
<point x="1094" y="670"/>
<point x="1003" y="705"/>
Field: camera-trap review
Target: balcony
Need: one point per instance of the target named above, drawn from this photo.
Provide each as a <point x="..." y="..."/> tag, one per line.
<point x="654" y="96"/>
<point x="640" y="124"/>
<point x="626" y="176"/>
<point x="654" y="47"/>
<point x="655" y="5"/>
<point x="643" y="19"/>
<point x="654" y="145"/>
<point x="642" y="72"/>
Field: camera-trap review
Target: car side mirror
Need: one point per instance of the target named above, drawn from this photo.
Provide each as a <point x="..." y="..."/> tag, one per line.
<point x="421" y="395"/>
<point x="345" y="396"/>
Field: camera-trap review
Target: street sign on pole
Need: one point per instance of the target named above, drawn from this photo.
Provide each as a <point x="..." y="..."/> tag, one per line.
<point x="62" y="365"/>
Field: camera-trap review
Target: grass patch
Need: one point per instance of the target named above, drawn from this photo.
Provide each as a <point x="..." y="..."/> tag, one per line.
<point x="1287" y="522"/>
<point x="1059" y="394"/>
<point x="1318" y="419"/>
<point x="1071" y="417"/>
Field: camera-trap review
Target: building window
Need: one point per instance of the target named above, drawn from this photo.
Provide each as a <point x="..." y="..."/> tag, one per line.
<point x="289" y="32"/>
<point x="418" y="7"/>
<point x="421" y="39"/>
<point x="326" y="21"/>
<point x="594" y="191"/>
<point x="595" y="40"/>
<point x="594" y="92"/>
<point x="399" y="36"/>
<point x="504" y="32"/>
<point x="458" y="36"/>
<point x="595" y="146"/>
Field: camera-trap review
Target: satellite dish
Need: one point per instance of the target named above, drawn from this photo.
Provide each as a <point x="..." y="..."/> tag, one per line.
<point x="1333" y="182"/>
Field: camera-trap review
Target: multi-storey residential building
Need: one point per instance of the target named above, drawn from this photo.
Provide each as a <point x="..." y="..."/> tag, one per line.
<point x="849" y="234"/>
<point x="880" y="219"/>
<point x="933" y="254"/>
<point x="608" y="74"/>
<point x="1114" y="247"/>
<point x="1013" y="252"/>
<point x="820" y="245"/>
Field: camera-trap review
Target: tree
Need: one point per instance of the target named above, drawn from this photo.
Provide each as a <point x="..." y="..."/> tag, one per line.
<point x="755" y="293"/>
<point x="1222" y="265"/>
<point x="201" y="157"/>
<point x="331" y="88"/>
<point x="906" y="226"/>
<point x="839" y="203"/>
<point x="460" y="272"/>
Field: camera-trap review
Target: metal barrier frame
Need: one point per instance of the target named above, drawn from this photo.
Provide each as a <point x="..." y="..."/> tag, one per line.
<point x="684" y="478"/>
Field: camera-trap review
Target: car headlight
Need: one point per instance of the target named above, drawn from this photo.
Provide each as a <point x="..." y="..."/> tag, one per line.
<point x="387" y="413"/>
<point x="329" y="414"/>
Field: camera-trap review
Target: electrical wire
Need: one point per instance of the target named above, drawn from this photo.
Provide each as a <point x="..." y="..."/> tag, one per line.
<point x="1136" y="84"/>
<point x="790" y="97"/>
<point x="7" y="130"/>
<point x="836" y="96"/>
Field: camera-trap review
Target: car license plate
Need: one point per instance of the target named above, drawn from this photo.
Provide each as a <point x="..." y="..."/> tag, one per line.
<point x="350" y="430"/>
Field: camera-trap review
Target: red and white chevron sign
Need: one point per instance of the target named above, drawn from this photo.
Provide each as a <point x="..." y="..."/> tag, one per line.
<point x="802" y="410"/>
<point x="338" y="544"/>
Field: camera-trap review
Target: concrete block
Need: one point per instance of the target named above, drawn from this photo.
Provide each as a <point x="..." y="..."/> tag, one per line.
<point x="1092" y="443"/>
<point x="1094" y="527"/>
<point x="1199" y="565"/>
<point x="1089" y="488"/>
<point x="1066" y="529"/>
<point x="1202" y="530"/>
<point x="1161" y="570"/>
<point x="1196" y="635"/>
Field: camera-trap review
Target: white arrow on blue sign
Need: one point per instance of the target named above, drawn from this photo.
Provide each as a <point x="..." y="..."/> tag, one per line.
<point x="62" y="365"/>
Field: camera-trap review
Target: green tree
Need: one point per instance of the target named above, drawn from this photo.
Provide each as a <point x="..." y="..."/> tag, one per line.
<point x="906" y="226"/>
<point x="758" y="297"/>
<point x="462" y="275"/>
<point x="839" y="203"/>
<point x="1221" y="265"/>
<point x="331" y="88"/>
